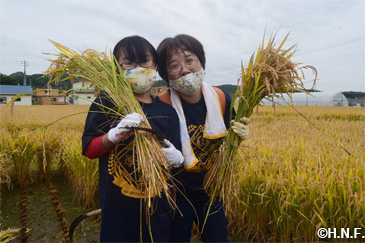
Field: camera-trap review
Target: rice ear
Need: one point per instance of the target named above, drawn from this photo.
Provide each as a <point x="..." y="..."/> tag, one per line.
<point x="268" y="72"/>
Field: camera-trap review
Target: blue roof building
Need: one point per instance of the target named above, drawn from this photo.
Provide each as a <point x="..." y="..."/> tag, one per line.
<point x="8" y="92"/>
<point x="15" y="89"/>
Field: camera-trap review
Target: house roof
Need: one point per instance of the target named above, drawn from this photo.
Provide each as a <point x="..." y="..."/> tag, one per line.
<point x="15" y="89"/>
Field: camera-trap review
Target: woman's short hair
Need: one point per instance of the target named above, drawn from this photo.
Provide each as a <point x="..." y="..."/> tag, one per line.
<point x="170" y="46"/>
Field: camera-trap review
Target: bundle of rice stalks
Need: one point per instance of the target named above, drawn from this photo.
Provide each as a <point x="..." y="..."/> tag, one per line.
<point x="269" y="74"/>
<point x="100" y="71"/>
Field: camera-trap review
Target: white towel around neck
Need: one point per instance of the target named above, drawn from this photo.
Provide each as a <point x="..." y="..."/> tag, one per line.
<point x="214" y="124"/>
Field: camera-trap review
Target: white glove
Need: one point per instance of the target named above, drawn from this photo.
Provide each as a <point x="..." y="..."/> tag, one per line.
<point x="241" y="128"/>
<point x="119" y="132"/>
<point x="173" y="155"/>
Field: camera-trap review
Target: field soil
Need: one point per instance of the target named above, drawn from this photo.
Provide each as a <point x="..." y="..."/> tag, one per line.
<point x="43" y="223"/>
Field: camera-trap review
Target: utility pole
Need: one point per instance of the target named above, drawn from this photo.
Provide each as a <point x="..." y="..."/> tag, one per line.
<point x="25" y="63"/>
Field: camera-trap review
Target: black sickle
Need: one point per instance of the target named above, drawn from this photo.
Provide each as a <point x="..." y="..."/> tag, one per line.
<point x="79" y="219"/>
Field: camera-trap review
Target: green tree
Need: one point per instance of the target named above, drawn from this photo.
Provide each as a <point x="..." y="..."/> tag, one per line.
<point x="159" y="83"/>
<point x="230" y="89"/>
<point x="353" y="94"/>
<point x="38" y="81"/>
<point x="5" y="79"/>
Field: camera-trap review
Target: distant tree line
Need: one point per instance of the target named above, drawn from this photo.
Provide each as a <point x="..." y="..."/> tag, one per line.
<point x="353" y="94"/>
<point x="39" y="81"/>
<point x="231" y="89"/>
<point x="159" y="83"/>
<point x="35" y="80"/>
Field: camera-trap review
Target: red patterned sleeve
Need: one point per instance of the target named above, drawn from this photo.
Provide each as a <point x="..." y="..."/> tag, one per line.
<point x="95" y="149"/>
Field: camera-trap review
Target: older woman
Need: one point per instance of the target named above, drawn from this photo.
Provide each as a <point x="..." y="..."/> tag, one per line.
<point x="204" y="115"/>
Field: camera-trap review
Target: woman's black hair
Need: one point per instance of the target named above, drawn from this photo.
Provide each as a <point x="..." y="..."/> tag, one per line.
<point x="134" y="48"/>
<point x="170" y="46"/>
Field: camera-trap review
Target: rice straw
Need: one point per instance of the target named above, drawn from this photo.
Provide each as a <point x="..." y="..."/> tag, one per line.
<point x="100" y="71"/>
<point x="269" y="74"/>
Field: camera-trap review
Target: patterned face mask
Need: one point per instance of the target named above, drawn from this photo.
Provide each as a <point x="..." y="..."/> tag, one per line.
<point x="141" y="79"/>
<point x="188" y="84"/>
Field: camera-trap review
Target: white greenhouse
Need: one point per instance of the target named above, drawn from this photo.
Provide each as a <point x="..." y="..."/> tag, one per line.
<point x="312" y="99"/>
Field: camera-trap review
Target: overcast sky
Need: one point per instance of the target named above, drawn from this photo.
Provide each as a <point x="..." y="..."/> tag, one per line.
<point x="329" y="34"/>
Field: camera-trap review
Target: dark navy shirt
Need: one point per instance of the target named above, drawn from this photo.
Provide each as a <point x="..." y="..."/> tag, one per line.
<point x="206" y="150"/>
<point x="119" y="182"/>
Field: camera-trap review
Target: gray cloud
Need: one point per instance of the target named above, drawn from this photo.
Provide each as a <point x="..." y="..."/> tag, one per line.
<point x="329" y="33"/>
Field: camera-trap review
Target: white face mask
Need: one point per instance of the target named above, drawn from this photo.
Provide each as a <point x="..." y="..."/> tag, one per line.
<point x="141" y="79"/>
<point x="190" y="83"/>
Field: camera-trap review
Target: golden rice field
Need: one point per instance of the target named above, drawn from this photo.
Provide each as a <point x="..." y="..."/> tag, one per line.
<point x="296" y="176"/>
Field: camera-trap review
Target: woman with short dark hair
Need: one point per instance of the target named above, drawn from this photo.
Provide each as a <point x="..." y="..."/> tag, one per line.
<point x="204" y="115"/>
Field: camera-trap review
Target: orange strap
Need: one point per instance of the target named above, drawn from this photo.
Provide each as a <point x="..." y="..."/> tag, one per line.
<point x="222" y="99"/>
<point x="165" y="97"/>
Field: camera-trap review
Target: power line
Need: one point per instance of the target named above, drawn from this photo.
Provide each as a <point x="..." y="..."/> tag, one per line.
<point x="212" y="75"/>
<point x="329" y="30"/>
<point x="338" y="57"/>
<point x="332" y="46"/>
